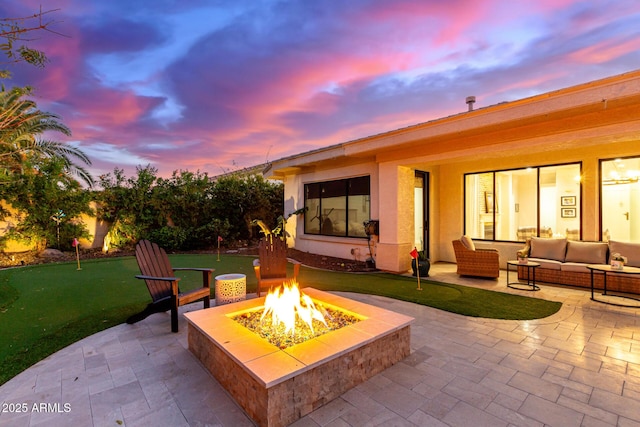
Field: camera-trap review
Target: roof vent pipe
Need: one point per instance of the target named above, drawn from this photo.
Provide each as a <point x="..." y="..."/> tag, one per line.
<point x="470" y="100"/>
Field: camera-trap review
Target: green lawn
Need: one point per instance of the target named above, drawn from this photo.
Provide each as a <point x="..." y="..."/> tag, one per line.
<point x="45" y="308"/>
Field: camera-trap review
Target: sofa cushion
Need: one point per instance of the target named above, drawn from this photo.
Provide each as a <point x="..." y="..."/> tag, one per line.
<point x="468" y="243"/>
<point x="547" y="263"/>
<point x="579" y="267"/>
<point x="586" y="252"/>
<point x="548" y="248"/>
<point x="629" y="250"/>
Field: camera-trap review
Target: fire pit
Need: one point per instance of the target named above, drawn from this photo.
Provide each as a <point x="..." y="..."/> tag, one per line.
<point x="277" y="386"/>
<point x="290" y="317"/>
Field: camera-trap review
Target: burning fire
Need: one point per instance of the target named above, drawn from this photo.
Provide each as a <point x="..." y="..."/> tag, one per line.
<point x="286" y="302"/>
<point x="290" y="317"/>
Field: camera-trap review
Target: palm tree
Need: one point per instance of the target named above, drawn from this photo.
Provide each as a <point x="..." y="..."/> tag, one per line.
<point x="21" y="149"/>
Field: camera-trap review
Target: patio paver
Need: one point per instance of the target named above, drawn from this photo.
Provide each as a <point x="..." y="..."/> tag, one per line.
<point x="580" y="366"/>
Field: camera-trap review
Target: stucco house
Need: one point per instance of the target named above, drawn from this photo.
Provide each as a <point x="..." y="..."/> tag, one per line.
<point x="564" y="163"/>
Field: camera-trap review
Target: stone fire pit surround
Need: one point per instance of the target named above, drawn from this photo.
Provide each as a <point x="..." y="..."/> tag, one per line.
<point x="276" y="387"/>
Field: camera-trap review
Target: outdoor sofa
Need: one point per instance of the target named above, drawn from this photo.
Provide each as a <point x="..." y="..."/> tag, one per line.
<point x="565" y="262"/>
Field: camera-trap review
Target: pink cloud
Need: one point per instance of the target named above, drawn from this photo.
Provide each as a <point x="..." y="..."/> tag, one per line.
<point x="267" y="85"/>
<point x="605" y="51"/>
<point x="529" y="83"/>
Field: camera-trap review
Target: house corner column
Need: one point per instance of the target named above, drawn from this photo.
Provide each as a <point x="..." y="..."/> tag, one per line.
<point x="395" y="206"/>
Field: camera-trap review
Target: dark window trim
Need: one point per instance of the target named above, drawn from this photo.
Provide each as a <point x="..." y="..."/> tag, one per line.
<point x="494" y="171"/>
<point x="346" y="196"/>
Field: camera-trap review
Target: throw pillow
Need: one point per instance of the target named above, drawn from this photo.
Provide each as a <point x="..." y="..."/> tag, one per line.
<point x="548" y="248"/>
<point x="468" y="243"/>
<point x="629" y="250"/>
<point x="587" y="252"/>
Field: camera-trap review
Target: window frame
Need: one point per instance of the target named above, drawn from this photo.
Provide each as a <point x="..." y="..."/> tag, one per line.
<point x="537" y="169"/>
<point x="347" y="194"/>
<point x="603" y="229"/>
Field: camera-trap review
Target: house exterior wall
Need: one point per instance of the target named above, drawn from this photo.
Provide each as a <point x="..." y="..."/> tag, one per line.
<point x="392" y="202"/>
<point x="341" y="247"/>
<point x="582" y="124"/>
<point x="396" y="217"/>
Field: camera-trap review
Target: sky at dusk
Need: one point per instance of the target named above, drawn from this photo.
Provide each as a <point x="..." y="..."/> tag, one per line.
<point x="219" y="85"/>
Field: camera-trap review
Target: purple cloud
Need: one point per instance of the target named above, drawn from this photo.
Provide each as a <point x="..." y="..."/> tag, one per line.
<point x="219" y="85"/>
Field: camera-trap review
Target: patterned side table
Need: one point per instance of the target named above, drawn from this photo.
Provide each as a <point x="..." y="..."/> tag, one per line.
<point x="230" y="288"/>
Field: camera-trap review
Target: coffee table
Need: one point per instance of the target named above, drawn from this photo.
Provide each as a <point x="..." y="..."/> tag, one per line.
<point x="605" y="269"/>
<point x="531" y="275"/>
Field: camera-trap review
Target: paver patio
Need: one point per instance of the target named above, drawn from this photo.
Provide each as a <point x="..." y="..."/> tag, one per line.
<point x="579" y="367"/>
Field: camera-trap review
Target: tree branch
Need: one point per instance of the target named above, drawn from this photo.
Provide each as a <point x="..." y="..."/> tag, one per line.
<point x="11" y="28"/>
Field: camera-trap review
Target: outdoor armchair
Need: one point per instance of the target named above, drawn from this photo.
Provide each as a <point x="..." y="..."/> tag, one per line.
<point x="475" y="262"/>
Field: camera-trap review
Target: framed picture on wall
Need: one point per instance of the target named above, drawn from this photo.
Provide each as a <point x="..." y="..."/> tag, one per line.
<point x="568" y="201"/>
<point x="568" y="212"/>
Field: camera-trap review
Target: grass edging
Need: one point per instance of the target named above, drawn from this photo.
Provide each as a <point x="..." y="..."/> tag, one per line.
<point x="105" y="293"/>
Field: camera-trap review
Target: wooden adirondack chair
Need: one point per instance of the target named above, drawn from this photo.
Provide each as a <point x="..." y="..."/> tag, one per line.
<point x="163" y="285"/>
<point x="271" y="265"/>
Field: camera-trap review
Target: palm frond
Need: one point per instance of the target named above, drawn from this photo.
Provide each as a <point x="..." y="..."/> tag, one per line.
<point x="21" y="122"/>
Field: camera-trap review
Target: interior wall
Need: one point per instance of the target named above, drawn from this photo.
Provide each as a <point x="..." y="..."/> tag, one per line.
<point x="527" y="212"/>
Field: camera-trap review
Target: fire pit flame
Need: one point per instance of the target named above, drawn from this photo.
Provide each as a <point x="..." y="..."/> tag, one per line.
<point x="285" y="302"/>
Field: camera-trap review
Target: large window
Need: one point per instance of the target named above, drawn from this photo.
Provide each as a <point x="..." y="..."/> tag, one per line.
<point x="512" y="205"/>
<point x="337" y="208"/>
<point x="620" y="199"/>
